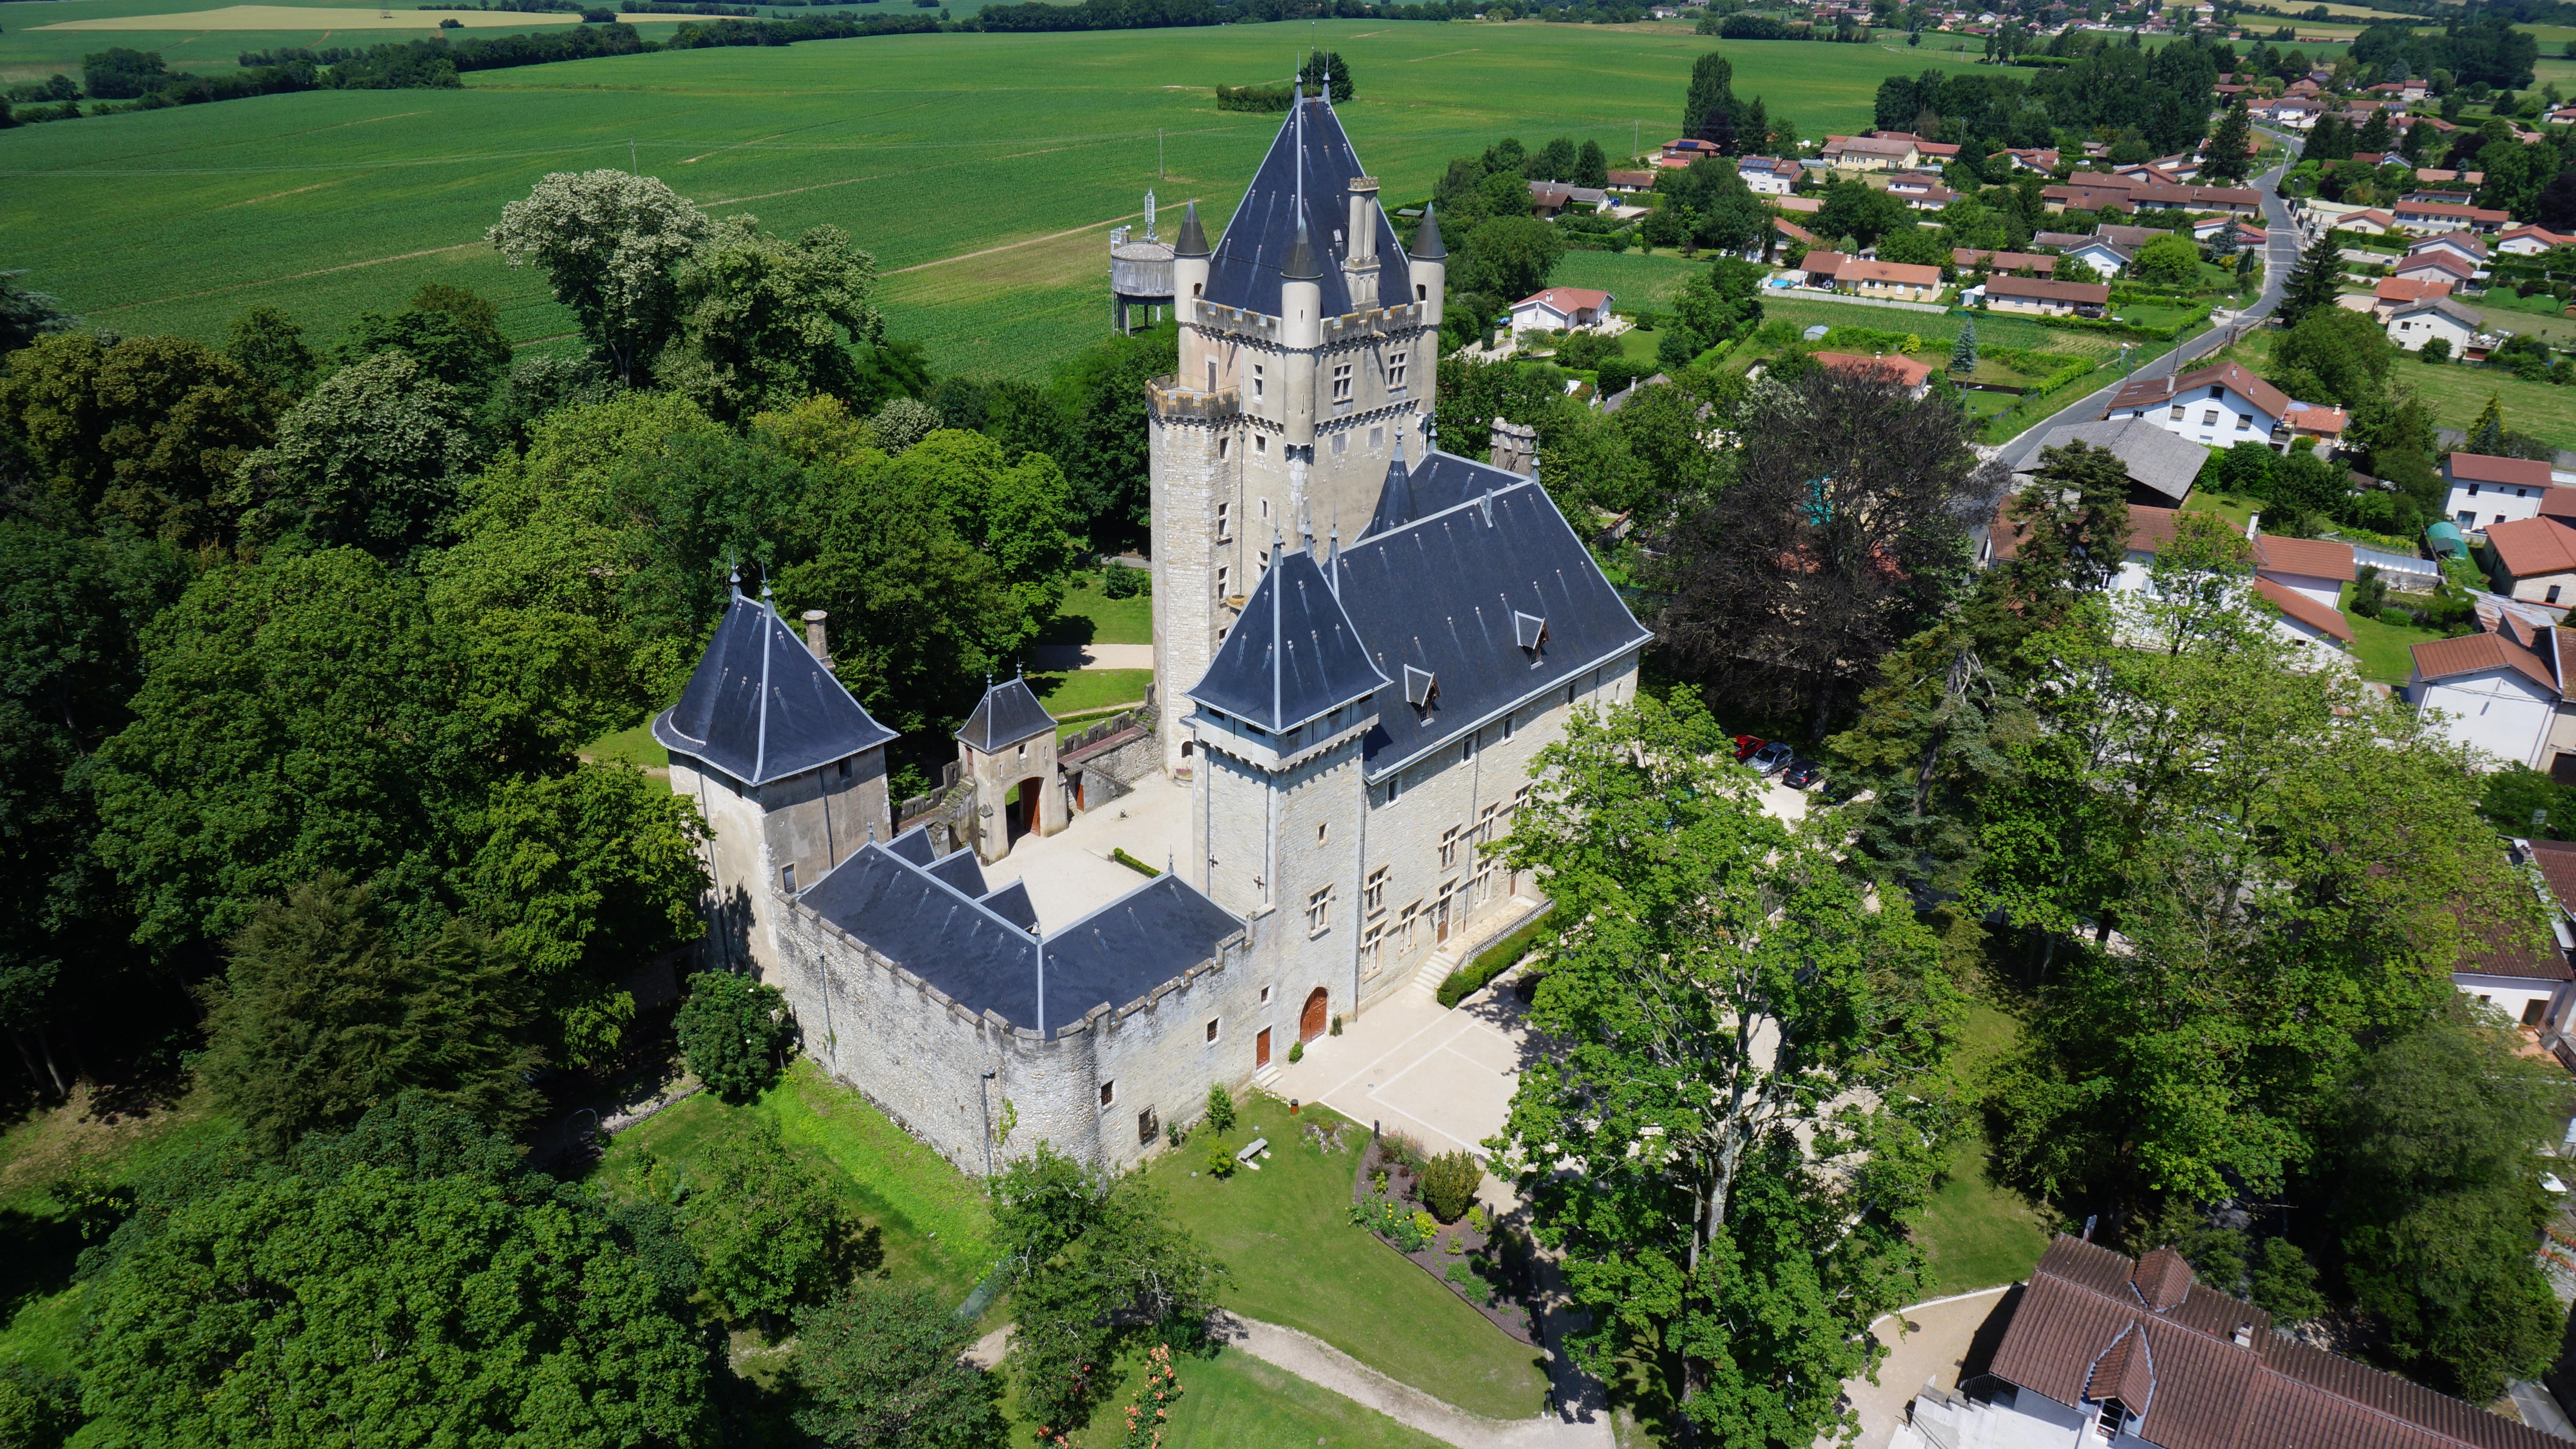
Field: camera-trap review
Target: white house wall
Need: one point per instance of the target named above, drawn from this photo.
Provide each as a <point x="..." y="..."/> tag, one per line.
<point x="2496" y="710"/>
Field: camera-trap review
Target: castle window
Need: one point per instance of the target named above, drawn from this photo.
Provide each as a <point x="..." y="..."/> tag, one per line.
<point x="1319" y="912"/>
<point x="787" y="879"/>
<point x="1341" y="444"/>
<point x="1319" y="834"/>
<point x="1372" y="950"/>
<point x="1507" y="724"/>
<point x="1377" y="437"/>
<point x="1373" y="894"/>
<point x="1449" y="846"/>
<point x="1404" y="928"/>
<point x="1421" y="292"/>
<point x="1485" y="823"/>
<point x="1395" y="362"/>
<point x="1220" y="448"/>
<point x="1261" y="444"/>
<point x="1256" y="379"/>
<point x="1220" y="582"/>
<point x="1211" y="1028"/>
<point x="1224" y="511"/>
<point x="845" y="769"/>
<point x="1394" y="787"/>
<point x="1211" y="375"/>
<point x="1342" y="385"/>
<point x="1108" y="1093"/>
<point x="1467" y="749"/>
<point x="1146" y="1127"/>
<point x="1265" y="996"/>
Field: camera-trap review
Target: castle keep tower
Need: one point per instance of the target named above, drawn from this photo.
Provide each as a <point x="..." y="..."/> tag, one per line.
<point x="1309" y="346"/>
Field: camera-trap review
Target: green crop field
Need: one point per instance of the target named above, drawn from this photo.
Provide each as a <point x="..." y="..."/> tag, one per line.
<point x="983" y="171"/>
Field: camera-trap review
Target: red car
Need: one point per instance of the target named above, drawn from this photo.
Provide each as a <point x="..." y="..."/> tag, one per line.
<point x="1745" y="745"/>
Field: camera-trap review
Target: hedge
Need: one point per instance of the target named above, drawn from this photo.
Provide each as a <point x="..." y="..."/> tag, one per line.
<point x="1495" y="959"/>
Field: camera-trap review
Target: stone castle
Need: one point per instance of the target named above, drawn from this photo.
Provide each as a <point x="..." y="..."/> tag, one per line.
<point x="1358" y="658"/>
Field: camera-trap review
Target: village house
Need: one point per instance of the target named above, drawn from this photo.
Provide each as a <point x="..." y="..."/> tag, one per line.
<point x="2103" y="1349"/>
<point x="1870" y="153"/>
<point x="2486" y="490"/>
<point x="2161" y="467"/>
<point x="2534" y="559"/>
<point x="2300" y="579"/>
<point x="1768" y="175"/>
<point x="2218" y="406"/>
<point x="1561" y="309"/>
<point x="1915" y="377"/>
<point x="2394" y="293"/>
<point x="2466" y="246"/>
<point x="2530" y="241"/>
<point x="1896" y="281"/>
<point x="2416" y="325"/>
<point x="2532" y="983"/>
<point x="1967" y="260"/>
<point x="2503" y="689"/>
<point x="2426" y="217"/>
<point x="2047" y="297"/>
<point x="2435" y="266"/>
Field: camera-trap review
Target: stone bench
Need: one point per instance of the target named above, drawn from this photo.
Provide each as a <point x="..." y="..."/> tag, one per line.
<point x="1251" y="1151"/>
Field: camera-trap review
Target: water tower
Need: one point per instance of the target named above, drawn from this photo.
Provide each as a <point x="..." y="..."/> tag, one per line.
<point x="1140" y="273"/>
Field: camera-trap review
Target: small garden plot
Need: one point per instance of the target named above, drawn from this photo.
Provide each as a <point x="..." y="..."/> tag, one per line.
<point x="1425" y="1208"/>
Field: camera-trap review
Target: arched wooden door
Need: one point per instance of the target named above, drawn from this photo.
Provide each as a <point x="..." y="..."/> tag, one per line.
<point x="1310" y="1023"/>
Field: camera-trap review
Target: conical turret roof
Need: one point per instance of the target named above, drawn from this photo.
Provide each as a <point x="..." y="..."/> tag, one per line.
<point x="1426" y="238"/>
<point x="1193" y="238"/>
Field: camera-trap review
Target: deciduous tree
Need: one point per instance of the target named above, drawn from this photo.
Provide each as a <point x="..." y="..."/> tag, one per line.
<point x="609" y="244"/>
<point x="883" y="1368"/>
<point x="374" y="458"/>
<point x="149" y="430"/>
<point x="770" y="1233"/>
<point x="765" y="322"/>
<point x="732" y="1031"/>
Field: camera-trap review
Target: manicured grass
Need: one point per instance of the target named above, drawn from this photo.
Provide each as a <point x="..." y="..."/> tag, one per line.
<point x="1089" y="616"/>
<point x="1285" y="1232"/>
<point x="2384" y="652"/>
<point x="2238" y="511"/>
<point x="1638" y="281"/>
<point x="634" y="745"/>
<point x="1978" y="1234"/>
<point x="1240" y="1402"/>
<point x="1086" y="690"/>
<point x="930" y="1220"/>
<point x="930" y="150"/>
<point x="2458" y="392"/>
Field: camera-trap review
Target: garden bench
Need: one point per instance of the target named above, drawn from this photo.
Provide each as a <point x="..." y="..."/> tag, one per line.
<point x="1251" y="1151"/>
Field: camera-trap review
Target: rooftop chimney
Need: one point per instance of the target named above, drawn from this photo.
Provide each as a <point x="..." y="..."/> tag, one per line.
<point x="814" y="636"/>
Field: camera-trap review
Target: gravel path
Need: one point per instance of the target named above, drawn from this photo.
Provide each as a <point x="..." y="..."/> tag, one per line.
<point x="1325" y="1366"/>
<point x="1052" y="657"/>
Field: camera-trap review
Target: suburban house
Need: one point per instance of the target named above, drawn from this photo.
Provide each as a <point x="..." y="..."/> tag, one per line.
<point x="2100" y="253"/>
<point x="2503" y="690"/>
<point x="2103" y="1349"/>
<point x="1548" y="198"/>
<point x="2467" y="245"/>
<point x="2429" y="217"/>
<point x="1915" y="377"/>
<point x="1632" y="181"/>
<point x="2161" y="467"/>
<point x="2412" y="326"/>
<point x="1870" y="153"/>
<point x="2487" y="490"/>
<point x="2370" y="221"/>
<point x="2042" y="159"/>
<point x="2529" y="980"/>
<point x="2301" y="578"/>
<point x="2441" y="266"/>
<point x="1834" y="272"/>
<point x="2530" y="241"/>
<point x="1930" y="149"/>
<point x="2296" y="113"/>
<point x="1796" y="233"/>
<point x="2429" y="176"/>
<point x="2214" y="228"/>
<point x="1921" y="192"/>
<point x="2393" y="293"/>
<point x="2320" y="422"/>
<point x="1768" y="175"/>
<point x="2534" y="559"/>
<point x="1976" y="261"/>
<point x="1682" y="152"/>
<point x="1560" y="309"/>
<point x="2052" y="298"/>
<point x="2220" y="406"/>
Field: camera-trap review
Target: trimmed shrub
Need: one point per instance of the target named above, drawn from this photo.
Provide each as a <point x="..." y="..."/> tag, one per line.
<point x="1220" y="1162"/>
<point x="1449" y="1184"/>
<point x="732" y="1032"/>
<point x="1220" y="1108"/>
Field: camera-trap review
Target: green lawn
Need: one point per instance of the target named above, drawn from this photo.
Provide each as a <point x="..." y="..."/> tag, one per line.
<point x="1089" y="690"/>
<point x="1240" y="1402"/>
<point x="1089" y="616"/>
<point x="1637" y="281"/>
<point x="982" y="171"/>
<point x="1297" y="1260"/>
<point x="1976" y="1233"/>
<point x="2383" y="651"/>
<point x="2457" y="393"/>
<point x="931" y="1220"/>
<point x="633" y="745"/>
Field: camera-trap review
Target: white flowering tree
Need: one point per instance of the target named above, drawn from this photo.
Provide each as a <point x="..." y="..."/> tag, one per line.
<point x="610" y="243"/>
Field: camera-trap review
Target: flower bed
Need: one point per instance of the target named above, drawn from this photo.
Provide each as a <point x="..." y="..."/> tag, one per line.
<point x="1482" y="1261"/>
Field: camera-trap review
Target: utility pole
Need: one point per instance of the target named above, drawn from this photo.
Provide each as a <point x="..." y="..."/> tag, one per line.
<point x="985" y="1095"/>
<point x="1158" y="153"/>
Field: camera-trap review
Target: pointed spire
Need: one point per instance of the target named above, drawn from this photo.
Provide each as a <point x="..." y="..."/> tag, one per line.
<point x="1193" y="239"/>
<point x="1301" y="266"/>
<point x="1426" y="238"/>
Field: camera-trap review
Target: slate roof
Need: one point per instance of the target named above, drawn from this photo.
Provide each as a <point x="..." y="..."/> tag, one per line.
<point x="2091" y="1319"/>
<point x="761" y="707"/>
<point x="982" y="950"/>
<point x="1244" y="270"/>
<point x="1440" y="593"/>
<point x="2153" y="457"/>
<point x="1292" y="655"/>
<point x="1007" y="714"/>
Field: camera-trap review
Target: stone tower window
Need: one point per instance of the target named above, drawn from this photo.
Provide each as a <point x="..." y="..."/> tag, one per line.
<point x="1211" y="1028"/>
<point x="1224" y="511"/>
<point x="1373" y="895"/>
<point x="1319" y="911"/>
<point x="1146" y="1127"/>
<point x="1220" y="448"/>
<point x="1108" y="1093"/>
<point x="1342" y="385"/>
<point x="1211" y="375"/>
<point x="1256" y="379"/>
<point x="1320" y="832"/>
<point x="1395" y="364"/>
<point x="787" y="879"/>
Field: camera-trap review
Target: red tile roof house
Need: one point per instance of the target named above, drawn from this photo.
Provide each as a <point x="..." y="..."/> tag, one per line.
<point x="2104" y="1349"/>
<point x="2045" y="296"/>
<point x="1870" y="153"/>
<point x="2467" y="246"/>
<point x="2534" y="559"/>
<point x="2532" y="982"/>
<point x="2486" y="491"/>
<point x="1914" y="377"/>
<point x="1834" y="272"/>
<point x="1560" y="309"/>
<point x="2437" y="266"/>
<point x="1967" y="260"/>
<point x="2301" y="578"/>
<point x="2530" y="241"/>
<point x="2426" y="216"/>
<point x="2503" y="690"/>
<point x="2395" y="292"/>
<point x="2220" y="405"/>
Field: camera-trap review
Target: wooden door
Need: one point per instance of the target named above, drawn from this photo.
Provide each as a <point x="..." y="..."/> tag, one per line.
<point x="1310" y="1023"/>
<point x="1261" y="1049"/>
<point x="1440" y="920"/>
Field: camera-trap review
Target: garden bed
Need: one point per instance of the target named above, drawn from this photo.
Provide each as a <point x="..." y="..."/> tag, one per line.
<point x="1486" y="1263"/>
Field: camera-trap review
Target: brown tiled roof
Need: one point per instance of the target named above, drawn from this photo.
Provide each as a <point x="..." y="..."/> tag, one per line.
<point x="2084" y="1323"/>
<point x="2304" y="609"/>
<point x="2321" y="558"/>
<point x="2092" y="294"/>
<point x="2529" y="546"/>
<point x="2410" y="289"/>
<point x="2003" y="261"/>
<point x="2148" y="391"/>
<point x="2556" y="861"/>
<point x="1900" y="369"/>
<point x="2476" y="653"/>
<point x="2449" y="262"/>
<point x="2485" y="468"/>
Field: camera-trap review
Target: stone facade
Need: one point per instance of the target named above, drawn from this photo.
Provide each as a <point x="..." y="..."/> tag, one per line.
<point x="765" y="839"/>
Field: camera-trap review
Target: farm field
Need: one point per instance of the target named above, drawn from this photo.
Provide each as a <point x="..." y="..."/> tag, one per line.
<point x="983" y="171"/>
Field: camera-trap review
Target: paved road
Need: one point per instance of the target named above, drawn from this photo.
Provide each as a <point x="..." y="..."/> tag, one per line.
<point x="2280" y="253"/>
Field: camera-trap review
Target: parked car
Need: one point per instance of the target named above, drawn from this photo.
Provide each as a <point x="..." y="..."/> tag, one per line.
<point x="1803" y="774"/>
<point x="1771" y="758"/>
<point x="1747" y="744"/>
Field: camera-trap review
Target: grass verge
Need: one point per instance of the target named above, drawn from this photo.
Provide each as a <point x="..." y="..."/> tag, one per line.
<point x="1083" y="691"/>
<point x="633" y="746"/>
<point x="1976" y="1232"/>
<point x="2383" y="652"/>
<point x="1089" y="616"/>
<point x="1286" y="1234"/>
<point x="1238" y="1401"/>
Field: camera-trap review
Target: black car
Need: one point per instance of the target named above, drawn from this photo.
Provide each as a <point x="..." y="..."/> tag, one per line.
<point x="1802" y="774"/>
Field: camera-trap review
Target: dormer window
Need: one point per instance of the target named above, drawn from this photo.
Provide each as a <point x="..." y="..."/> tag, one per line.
<point x="1421" y="689"/>
<point x="1530" y="630"/>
